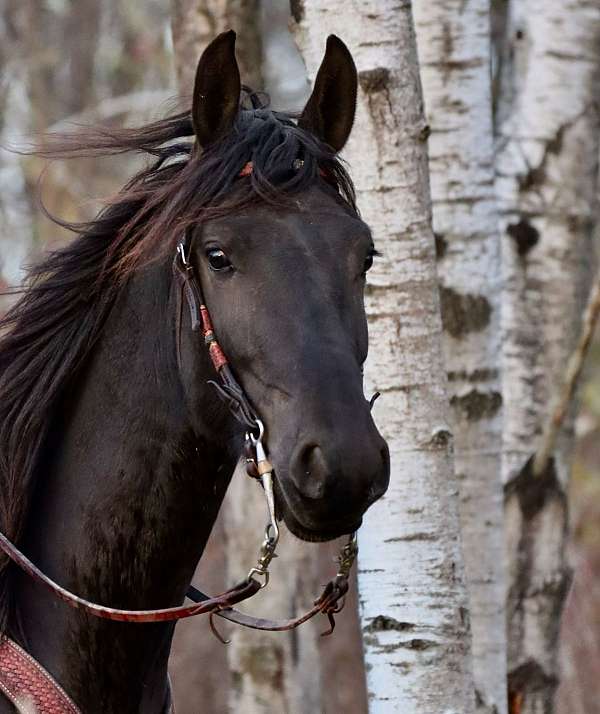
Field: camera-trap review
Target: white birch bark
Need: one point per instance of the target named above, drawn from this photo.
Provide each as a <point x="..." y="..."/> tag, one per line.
<point x="413" y="599"/>
<point x="453" y="39"/>
<point x="547" y="188"/>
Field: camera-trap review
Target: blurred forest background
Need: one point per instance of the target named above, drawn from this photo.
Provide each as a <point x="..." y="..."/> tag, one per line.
<point x="67" y="62"/>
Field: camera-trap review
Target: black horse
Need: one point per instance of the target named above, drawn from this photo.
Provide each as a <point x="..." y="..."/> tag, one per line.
<point x="115" y="452"/>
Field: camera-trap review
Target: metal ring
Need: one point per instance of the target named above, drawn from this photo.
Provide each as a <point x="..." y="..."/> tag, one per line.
<point x="272" y="534"/>
<point x="261" y="573"/>
<point x="261" y="432"/>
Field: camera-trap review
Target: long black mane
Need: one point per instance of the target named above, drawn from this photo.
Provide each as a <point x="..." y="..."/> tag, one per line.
<point x="50" y="331"/>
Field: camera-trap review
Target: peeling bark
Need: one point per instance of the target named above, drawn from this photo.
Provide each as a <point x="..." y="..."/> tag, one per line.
<point x="412" y="594"/>
<point x="547" y="186"/>
<point x="453" y="37"/>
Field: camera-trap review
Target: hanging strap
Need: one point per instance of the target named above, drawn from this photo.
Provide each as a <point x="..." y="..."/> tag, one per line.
<point x="328" y="604"/>
<point x="238" y="593"/>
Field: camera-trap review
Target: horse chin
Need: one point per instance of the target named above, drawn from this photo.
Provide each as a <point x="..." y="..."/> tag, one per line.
<point x="312" y="535"/>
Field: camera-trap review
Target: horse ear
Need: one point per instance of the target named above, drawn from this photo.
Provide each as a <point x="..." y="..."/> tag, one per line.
<point x="329" y="112"/>
<point x="216" y="89"/>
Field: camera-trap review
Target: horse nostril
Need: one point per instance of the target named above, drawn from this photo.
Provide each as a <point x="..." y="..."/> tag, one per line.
<point x="383" y="480"/>
<point x="310" y="471"/>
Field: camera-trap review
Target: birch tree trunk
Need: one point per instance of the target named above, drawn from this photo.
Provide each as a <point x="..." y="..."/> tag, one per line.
<point x="413" y="599"/>
<point x="547" y="188"/>
<point x="269" y="672"/>
<point x="453" y="38"/>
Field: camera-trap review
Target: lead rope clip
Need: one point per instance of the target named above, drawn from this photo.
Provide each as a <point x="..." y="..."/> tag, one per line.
<point x="264" y="471"/>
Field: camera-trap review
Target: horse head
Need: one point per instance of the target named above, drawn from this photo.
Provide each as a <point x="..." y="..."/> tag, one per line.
<point x="284" y="281"/>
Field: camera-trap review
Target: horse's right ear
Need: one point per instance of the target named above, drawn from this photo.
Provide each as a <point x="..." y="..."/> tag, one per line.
<point x="216" y="89"/>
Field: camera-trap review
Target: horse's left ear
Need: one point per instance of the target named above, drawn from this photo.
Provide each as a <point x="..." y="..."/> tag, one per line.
<point x="329" y="113"/>
<point x="216" y="89"/>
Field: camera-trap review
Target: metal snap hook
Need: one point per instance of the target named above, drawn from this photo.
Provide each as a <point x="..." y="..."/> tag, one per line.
<point x="261" y="432"/>
<point x="265" y="474"/>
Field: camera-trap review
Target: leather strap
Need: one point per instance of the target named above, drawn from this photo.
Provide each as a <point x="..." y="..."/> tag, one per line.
<point x="26" y="683"/>
<point x="329" y="603"/>
<point x="203" y="605"/>
<point x="228" y="388"/>
<point x="242" y="591"/>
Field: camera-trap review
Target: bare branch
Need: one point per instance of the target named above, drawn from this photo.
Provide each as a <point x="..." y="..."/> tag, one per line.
<point x="565" y="395"/>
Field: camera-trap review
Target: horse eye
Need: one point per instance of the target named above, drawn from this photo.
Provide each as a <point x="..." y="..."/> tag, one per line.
<point x="217" y="260"/>
<point x="369" y="260"/>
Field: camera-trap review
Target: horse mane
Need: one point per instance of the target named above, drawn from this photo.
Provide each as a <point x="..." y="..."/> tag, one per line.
<point x="47" y="335"/>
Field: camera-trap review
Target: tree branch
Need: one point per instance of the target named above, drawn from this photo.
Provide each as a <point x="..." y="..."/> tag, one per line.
<point x="565" y="394"/>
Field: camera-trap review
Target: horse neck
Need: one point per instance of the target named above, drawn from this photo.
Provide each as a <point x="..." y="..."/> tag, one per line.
<point x="126" y="496"/>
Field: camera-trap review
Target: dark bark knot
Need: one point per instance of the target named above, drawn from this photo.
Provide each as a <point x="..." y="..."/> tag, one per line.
<point x="297" y="9"/>
<point x="534" y="492"/>
<point x="441" y="245"/>
<point x="530" y="678"/>
<point x="441" y="438"/>
<point x="383" y="623"/>
<point x="420" y="645"/>
<point x="374" y="80"/>
<point x="525" y="236"/>
<point x="477" y="405"/>
<point x="462" y="314"/>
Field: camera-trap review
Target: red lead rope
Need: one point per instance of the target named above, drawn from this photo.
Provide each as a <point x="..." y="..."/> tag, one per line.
<point x="328" y="604"/>
<point x="243" y="591"/>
